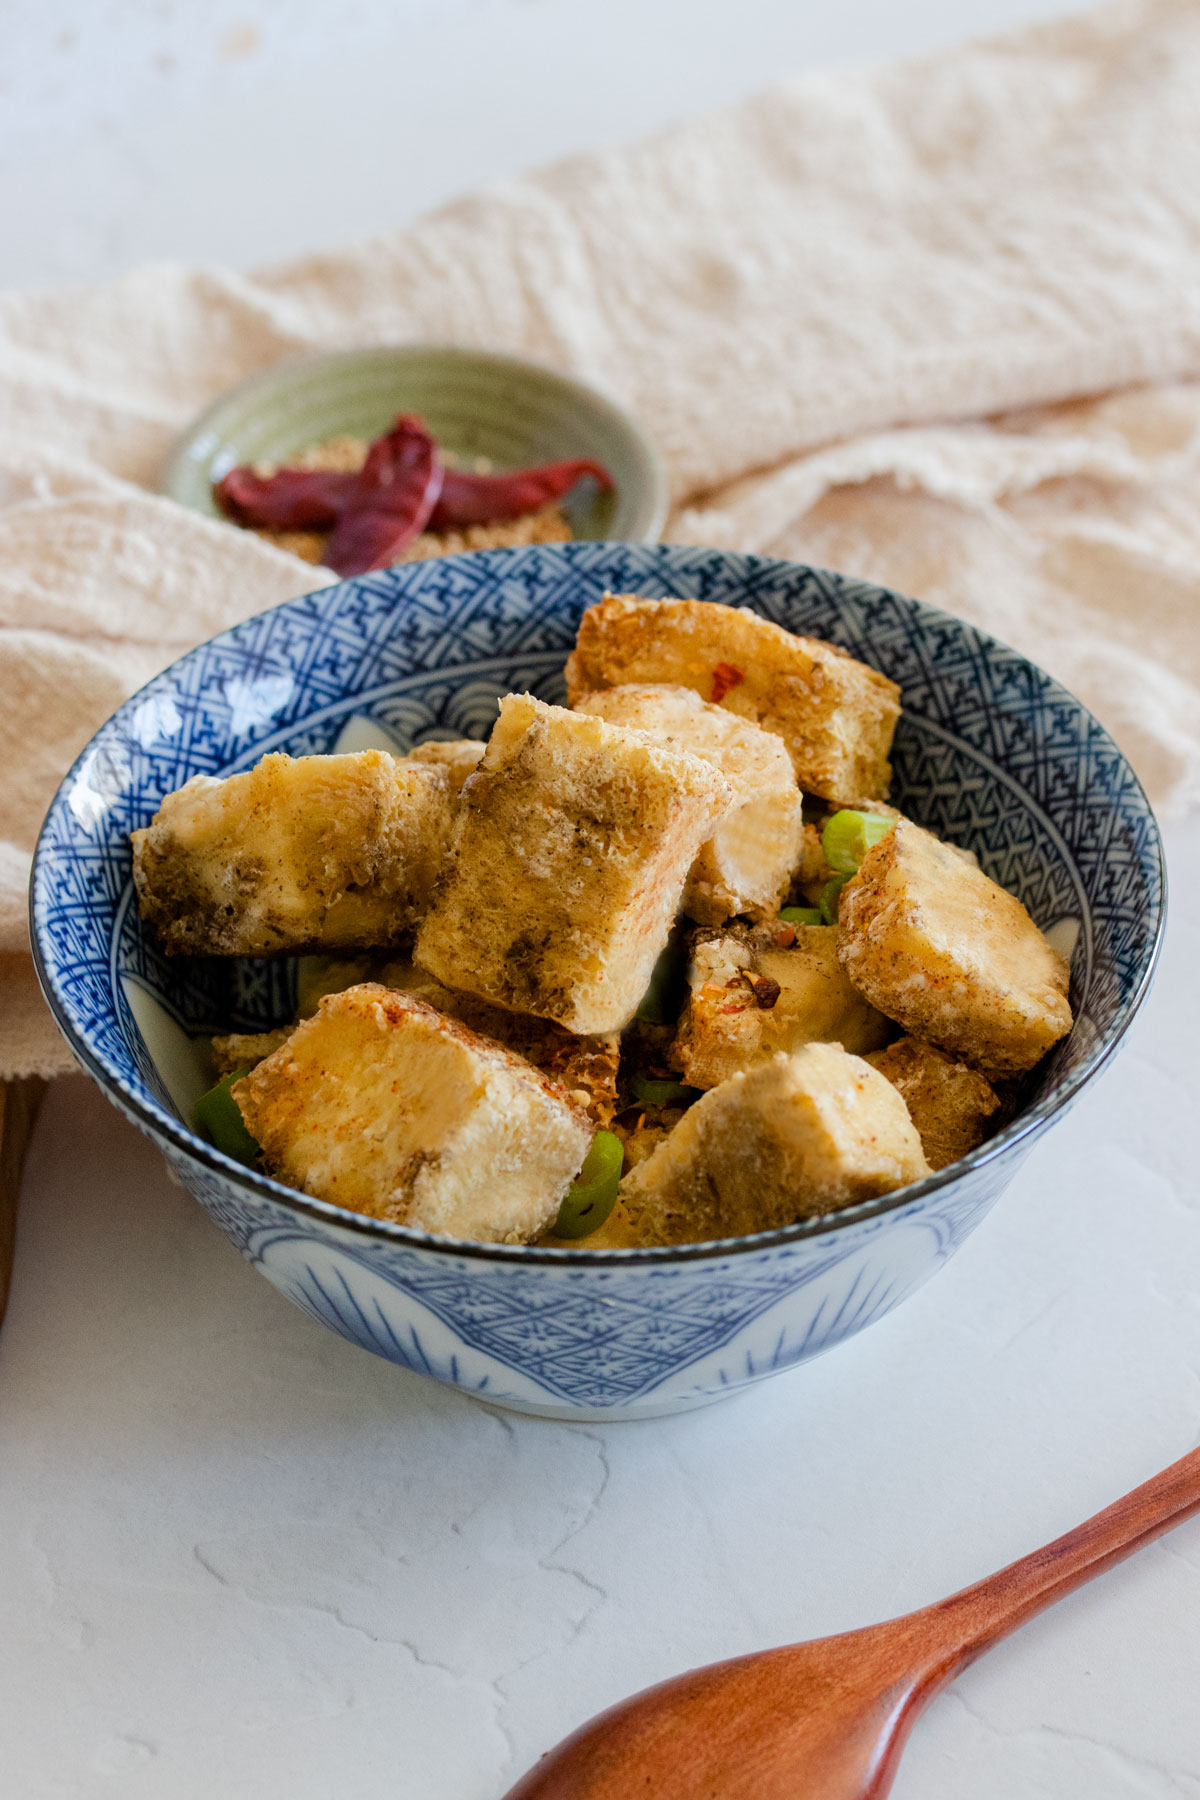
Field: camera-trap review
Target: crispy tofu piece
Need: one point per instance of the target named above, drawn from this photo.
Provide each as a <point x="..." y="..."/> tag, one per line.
<point x="317" y="976"/>
<point x="585" y="1067"/>
<point x="935" y="944"/>
<point x="571" y="851"/>
<point x="643" y="1132"/>
<point x="748" y="863"/>
<point x="749" y="996"/>
<point x="811" y="870"/>
<point x="459" y="757"/>
<point x="835" y="714"/>
<point x="299" y="853"/>
<point x="242" y="1049"/>
<point x="793" y="1138"/>
<point x="382" y="1105"/>
<point x="950" y="1104"/>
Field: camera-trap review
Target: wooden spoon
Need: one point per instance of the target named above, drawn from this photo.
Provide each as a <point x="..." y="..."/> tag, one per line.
<point x="827" y="1720"/>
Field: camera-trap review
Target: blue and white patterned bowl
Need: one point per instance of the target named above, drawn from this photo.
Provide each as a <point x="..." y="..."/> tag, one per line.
<point x="991" y="753"/>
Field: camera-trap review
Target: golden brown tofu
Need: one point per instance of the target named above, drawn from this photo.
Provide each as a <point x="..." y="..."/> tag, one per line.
<point x="812" y="871"/>
<point x="951" y="1105"/>
<point x="748" y="863"/>
<point x="793" y="1138"/>
<point x="382" y="1105"/>
<point x="939" y="947"/>
<point x="317" y="976"/>
<point x="299" y="853"/>
<point x="750" y="997"/>
<point x="835" y="714"/>
<point x="243" y="1049"/>
<point x="459" y="757"/>
<point x="586" y="1067"/>
<point x="571" y="850"/>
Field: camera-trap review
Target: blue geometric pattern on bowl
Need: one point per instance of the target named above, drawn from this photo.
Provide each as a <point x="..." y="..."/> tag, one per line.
<point x="990" y="753"/>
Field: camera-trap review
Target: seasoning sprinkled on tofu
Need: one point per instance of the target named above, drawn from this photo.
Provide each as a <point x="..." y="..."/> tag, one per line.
<point x="835" y="715"/>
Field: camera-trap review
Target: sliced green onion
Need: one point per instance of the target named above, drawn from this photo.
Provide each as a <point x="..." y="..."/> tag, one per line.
<point x="219" y="1117"/>
<point x="593" y="1194"/>
<point x="849" y="835"/>
<point x="653" y="1092"/>
<point x="801" y="915"/>
<point x="662" y="1000"/>
<point x="831" y="893"/>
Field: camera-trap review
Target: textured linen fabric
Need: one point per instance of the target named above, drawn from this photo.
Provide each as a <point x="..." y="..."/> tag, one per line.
<point x="937" y="324"/>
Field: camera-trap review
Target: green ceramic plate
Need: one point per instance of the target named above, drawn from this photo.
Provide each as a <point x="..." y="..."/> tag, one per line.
<point x="476" y="404"/>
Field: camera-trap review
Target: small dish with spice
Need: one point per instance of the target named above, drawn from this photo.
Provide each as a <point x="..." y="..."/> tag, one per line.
<point x="487" y="415"/>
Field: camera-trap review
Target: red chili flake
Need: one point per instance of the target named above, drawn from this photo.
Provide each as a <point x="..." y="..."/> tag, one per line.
<point x="733" y="1008"/>
<point x="766" y="992"/>
<point x="468" y="499"/>
<point x="785" y="937"/>
<point x="725" y="677"/>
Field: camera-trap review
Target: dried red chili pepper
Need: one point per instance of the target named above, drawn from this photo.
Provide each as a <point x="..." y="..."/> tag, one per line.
<point x="766" y="992"/>
<point x="401" y="489"/>
<point x="725" y="677"/>
<point x="395" y="493"/>
<point x="493" y="499"/>
<point x="289" y="500"/>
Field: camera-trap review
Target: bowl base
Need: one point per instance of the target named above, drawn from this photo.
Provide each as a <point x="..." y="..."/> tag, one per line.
<point x="609" y="1415"/>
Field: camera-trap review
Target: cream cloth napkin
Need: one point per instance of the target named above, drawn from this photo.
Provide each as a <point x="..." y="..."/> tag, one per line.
<point x="936" y="324"/>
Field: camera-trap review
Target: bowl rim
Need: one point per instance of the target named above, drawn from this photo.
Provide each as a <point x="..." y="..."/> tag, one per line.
<point x="650" y="497"/>
<point x="160" y="1123"/>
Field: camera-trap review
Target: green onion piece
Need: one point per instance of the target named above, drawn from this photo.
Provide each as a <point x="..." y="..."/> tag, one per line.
<point x="830" y="895"/>
<point x="593" y="1194"/>
<point x="218" y="1116"/>
<point x="801" y="915"/>
<point x="653" y="1092"/>
<point x="849" y="835"/>
<point x="662" y="1000"/>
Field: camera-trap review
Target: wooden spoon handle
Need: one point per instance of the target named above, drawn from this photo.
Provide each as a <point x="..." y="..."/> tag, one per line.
<point x="19" y="1102"/>
<point x="970" y="1621"/>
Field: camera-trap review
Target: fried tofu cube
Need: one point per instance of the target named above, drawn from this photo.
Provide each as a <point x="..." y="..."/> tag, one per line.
<point x="951" y="1105"/>
<point x="935" y="944"/>
<point x="459" y="757"/>
<point x="585" y="1067"/>
<point x="382" y="1105"/>
<point x="749" y="998"/>
<point x="571" y="851"/>
<point x="748" y="863"/>
<point x="793" y="1138"/>
<point x="835" y="714"/>
<point x="317" y="976"/>
<point x="242" y="1049"/>
<point x="298" y="853"/>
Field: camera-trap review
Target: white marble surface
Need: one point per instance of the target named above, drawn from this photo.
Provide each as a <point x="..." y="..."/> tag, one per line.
<point x="241" y="1559"/>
